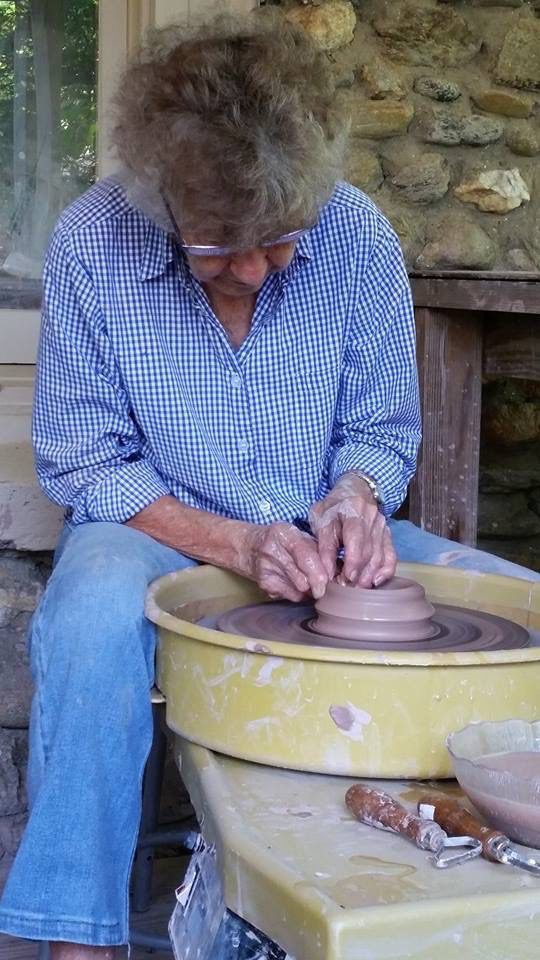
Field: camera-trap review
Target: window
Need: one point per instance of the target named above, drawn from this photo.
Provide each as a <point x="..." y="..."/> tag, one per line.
<point x="48" y="59"/>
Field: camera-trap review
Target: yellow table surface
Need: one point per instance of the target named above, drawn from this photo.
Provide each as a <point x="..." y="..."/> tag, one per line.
<point x="325" y="887"/>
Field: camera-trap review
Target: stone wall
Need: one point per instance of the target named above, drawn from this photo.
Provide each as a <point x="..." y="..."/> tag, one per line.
<point x="444" y="100"/>
<point x="22" y="580"/>
<point x="444" y="106"/>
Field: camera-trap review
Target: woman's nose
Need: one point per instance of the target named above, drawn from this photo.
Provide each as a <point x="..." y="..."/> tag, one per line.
<point x="250" y="267"/>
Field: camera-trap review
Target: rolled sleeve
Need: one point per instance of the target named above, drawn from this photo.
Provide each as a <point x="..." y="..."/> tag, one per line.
<point x="89" y="453"/>
<point x="377" y="427"/>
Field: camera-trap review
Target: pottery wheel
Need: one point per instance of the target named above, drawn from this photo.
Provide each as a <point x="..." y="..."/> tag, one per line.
<point x="456" y="628"/>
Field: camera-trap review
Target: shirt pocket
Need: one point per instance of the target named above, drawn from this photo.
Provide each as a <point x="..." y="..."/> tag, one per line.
<point x="296" y="419"/>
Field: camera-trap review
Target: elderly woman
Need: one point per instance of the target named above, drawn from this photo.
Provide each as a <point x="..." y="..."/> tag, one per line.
<point x="226" y="375"/>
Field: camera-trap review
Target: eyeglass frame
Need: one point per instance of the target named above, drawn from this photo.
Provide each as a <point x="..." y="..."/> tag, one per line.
<point x="211" y="250"/>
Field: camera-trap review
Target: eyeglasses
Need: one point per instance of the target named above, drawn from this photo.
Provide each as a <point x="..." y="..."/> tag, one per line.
<point x="212" y="250"/>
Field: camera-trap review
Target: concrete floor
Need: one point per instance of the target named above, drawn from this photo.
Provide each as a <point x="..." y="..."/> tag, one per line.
<point x="167" y="875"/>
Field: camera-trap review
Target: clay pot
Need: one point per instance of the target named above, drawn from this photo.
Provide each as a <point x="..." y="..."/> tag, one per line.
<point x="398" y="610"/>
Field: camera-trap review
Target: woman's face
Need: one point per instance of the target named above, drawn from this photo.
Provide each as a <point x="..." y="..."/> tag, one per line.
<point x="241" y="274"/>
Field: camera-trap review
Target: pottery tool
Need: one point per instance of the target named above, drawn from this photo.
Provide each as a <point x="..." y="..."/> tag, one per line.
<point x="378" y="809"/>
<point x="495" y="846"/>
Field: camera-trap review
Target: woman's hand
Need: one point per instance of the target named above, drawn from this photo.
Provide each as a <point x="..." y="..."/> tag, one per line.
<point x="283" y="561"/>
<point x="349" y="517"/>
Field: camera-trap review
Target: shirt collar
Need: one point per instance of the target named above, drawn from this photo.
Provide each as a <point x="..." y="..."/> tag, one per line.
<point x="158" y="252"/>
<point x="304" y="247"/>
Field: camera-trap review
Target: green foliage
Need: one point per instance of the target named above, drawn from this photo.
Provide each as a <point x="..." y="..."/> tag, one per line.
<point x="73" y="33"/>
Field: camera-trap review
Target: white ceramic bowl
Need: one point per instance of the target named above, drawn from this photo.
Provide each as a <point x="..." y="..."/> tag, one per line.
<point x="508" y="800"/>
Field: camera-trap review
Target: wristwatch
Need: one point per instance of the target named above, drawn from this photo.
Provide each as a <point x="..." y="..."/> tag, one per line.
<point x="372" y="484"/>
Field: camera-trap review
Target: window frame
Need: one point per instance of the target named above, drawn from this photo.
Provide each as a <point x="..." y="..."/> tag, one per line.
<point x="121" y="24"/>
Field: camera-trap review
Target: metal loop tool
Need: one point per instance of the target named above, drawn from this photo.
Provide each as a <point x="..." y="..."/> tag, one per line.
<point x="378" y="809"/>
<point x="467" y="847"/>
<point x="494" y="845"/>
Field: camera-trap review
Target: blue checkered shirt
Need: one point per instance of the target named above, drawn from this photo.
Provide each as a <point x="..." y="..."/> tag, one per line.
<point x="140" y="393"/>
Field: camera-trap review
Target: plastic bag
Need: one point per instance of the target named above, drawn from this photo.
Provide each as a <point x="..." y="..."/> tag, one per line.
<point x="201" y="927"/>
<point x="199" y="909"/>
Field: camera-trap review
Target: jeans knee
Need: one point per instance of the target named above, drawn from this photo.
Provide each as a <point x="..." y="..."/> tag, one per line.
<point x="91" y="617"/>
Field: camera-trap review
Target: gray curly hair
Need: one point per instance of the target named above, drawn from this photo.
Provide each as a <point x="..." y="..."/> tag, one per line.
<point x="235" y="123"/>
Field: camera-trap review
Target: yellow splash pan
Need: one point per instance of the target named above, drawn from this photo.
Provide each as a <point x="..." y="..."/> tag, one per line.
<point x="339" y="711"/>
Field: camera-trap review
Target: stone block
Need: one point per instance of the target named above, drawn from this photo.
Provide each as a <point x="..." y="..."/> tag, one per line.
<point x="13" y="759"/>
<point x="477" y="131"/>
<point x="437" y="88"/>
<point x="497" y="3"/>
<point x="523" y="138"/>
<point x="377" y="119"/>
<point x="508" y="103"/>
<point x="408" y="222"/>
<point x="519" y="60"/>
<point x="383" y="82"/>
<point x="11" y="831"/>
<point x="330" y="24"/>
<point x="449" y="130"/>
<point x="28" y="521"/>
<point x="364" y="170"/>
<point x="22" y="581"/>
<point x="520" y="260"/>
<point x="426" y="36"/>
<point x="506" y="515"/>
<point x="423" y="180"/>
<point x="457" y="244"/>
<point x="495" y="191"/>
<point x="509" y="417"/>
<point x="510" y="468"/>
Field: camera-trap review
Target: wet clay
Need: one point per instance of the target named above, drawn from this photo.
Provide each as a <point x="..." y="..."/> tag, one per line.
<point x="456" y="629"/>
<point x="397" y="611"/>
<point x="518" y="820"/>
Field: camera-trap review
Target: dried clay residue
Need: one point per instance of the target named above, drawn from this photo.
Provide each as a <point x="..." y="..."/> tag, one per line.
<point x="350" y="720"/>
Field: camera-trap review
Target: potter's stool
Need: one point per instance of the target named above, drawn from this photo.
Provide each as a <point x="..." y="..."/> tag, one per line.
<point x="151" y="833"/>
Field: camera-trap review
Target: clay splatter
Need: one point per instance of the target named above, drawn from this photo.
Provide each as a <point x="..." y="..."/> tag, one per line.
<point x="350" y="719"/>
<point x="265" y="673"/>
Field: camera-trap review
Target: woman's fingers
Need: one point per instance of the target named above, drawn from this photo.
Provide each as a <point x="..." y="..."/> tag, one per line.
<point x="289" y="564"/>
<point x="370" y="572"/>
<point x="361" y="539"/>
<point x="382" y="565"/>
<point x="306" y="557"/>
<point x="370" y="558"/>
<point x="329" y="542"/>
<point x="388" y="568"/>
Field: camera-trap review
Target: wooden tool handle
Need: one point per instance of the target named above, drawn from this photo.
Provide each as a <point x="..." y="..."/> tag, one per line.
<point x="457" y="821"/>
<point x="378" y="809"/>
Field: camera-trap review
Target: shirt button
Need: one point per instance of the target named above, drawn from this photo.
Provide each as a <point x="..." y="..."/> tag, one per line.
<point x="243" y="445"/>
<point x="265" y="506"/>
<point x="235" y="380"/>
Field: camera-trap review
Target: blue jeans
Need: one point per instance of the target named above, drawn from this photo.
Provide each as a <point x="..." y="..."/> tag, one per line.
<point x="92" y="659"/>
